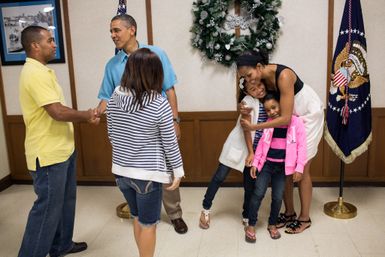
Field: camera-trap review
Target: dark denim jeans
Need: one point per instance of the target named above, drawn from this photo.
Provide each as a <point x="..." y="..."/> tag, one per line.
<point x="144" y="197"/>
<point x="274" y="173"/>
<point x="51" y="220"/>
<point x="216" y="181"/>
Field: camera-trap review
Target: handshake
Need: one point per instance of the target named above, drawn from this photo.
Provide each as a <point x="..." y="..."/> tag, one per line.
<point x="93" y="115"/>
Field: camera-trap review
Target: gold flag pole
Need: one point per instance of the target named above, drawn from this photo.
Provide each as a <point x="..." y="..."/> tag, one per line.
<point x="340" y="209"/>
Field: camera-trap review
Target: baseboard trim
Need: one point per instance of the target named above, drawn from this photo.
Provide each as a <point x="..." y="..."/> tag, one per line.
<point x="5" y="183"/>
<point x="315" y="184"/>
<point x="205" y="184"/>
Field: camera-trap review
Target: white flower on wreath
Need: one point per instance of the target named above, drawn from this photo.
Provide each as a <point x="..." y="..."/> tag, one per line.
<point x="204" y="15"/>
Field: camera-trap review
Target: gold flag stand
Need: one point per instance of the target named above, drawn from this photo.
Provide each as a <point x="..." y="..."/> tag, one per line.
<point x="340" y="209"/>
<point x="123" y="211"/>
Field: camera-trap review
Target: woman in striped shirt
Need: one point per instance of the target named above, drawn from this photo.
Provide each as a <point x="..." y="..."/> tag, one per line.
<point x="145" y="151"/>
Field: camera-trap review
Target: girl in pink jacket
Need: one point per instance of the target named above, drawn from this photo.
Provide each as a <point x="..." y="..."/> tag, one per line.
<point x="281" y="152"/>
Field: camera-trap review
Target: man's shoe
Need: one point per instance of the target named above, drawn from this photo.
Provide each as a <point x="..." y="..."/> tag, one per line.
<point x="179" y="226"/>
<point x="77" y="247"/>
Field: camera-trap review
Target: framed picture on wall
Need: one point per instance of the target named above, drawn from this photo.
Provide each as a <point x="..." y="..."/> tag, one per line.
<point x="17" y="15"/>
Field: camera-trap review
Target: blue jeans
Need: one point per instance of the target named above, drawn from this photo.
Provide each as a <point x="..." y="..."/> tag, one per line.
<point x="144" y="197"/>
<point x="51" y="220"/>
<point x="216" y="181"/>
<point x="274" y="173"/>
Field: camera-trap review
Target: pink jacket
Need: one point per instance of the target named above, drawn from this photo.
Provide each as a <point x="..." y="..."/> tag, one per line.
<point x="295" y="159"/>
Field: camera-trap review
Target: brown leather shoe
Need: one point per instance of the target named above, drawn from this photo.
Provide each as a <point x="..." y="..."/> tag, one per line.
<point x="179" y="226"/>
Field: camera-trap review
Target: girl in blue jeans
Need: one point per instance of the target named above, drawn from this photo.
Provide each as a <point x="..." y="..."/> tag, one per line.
<point x="145" y="151"/>
<point x="237" y="152"/>
<point x="281" y="151"/>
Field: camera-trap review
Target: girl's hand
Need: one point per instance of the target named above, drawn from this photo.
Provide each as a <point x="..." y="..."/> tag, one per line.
<point x="297" y="176"/>
<point x="174" y="185"/>
<point x="253" y="172"/>
<point x="249" y="160"/>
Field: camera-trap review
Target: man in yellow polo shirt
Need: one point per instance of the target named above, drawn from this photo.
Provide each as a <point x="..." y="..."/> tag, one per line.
<point x="49" y="150"/>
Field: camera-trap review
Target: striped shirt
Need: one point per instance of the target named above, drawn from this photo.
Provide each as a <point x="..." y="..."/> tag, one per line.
<point x="277" y="151"/>
<point x="262" y="117"/>
<point x="144" y="144"/>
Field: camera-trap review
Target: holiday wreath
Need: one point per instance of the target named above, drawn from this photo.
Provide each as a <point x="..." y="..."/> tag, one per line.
<point x="213" y="28"/>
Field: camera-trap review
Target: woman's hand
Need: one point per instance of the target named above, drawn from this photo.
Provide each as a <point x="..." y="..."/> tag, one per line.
<point x="174" y="185"/>
<point x="249" y="160"/>
<point x="253" y="172"/>
<point x="297" y="176"/>
<point x="246" y="125"/>
<point x="243" y="109"/>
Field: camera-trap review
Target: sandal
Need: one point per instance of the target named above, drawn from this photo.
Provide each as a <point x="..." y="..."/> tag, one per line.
<point x="283" y="219"/>
<point x="297" y="226"/>
<point x="274" y="233"/>
<point x="204" y="220"/>
<point x="250" y="236"/>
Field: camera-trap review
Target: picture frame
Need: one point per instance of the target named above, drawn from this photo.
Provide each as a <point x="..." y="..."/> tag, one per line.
<point x="18" y="14"/>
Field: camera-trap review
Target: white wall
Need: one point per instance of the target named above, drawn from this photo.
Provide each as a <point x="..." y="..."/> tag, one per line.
<point x="303" y="42"/>
<point x="205" y="86"/>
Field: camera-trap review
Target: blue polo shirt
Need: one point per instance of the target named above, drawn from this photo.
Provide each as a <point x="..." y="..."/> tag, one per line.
<point x="115" y="67"/>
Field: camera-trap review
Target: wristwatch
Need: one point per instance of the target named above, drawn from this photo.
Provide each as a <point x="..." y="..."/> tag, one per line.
<point x="177" y="120"/>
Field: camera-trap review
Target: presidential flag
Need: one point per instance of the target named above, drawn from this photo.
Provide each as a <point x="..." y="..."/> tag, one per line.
<point x="122" y="9"/>
<point x="348" y="129"/>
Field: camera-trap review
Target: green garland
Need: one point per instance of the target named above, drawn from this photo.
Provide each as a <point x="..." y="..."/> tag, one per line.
<point x="209" y="35"/>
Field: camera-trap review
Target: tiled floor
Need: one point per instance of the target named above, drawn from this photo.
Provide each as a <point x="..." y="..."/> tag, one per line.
<point x="109" y="236"/>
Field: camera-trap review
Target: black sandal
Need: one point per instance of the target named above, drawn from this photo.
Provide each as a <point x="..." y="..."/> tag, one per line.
<point x="283" y="219"/>
<point x="297" y="226"/>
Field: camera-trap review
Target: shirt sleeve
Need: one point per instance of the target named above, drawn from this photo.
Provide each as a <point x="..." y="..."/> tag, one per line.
<point x="43" y="90"/>
<point x="169" y="140"/>
<point x="259" y="152"/>
<point x="108" y="86"/>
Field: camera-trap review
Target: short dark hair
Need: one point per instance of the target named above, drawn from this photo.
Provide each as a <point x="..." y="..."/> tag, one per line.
<point x="30" y="35"/>
<point x="143" y="74"/>
<point x="271" y="95"/>
<point x="127" y="19"/>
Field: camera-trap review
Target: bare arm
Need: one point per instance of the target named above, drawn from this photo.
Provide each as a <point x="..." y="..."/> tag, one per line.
<point x="286" y="87"/>
<point x="249" y="143"/>
<point x="102" y="106"/>
<point x="171" y="97"/>
<point x="60" y="112"/>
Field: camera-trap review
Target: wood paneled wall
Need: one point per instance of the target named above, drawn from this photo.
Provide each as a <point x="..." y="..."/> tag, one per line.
<point x="203" y="135"/>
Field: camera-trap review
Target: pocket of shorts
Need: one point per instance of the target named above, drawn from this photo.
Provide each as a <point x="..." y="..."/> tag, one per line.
<point x="234" y="155"/>
<point x="142" y="186"/>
